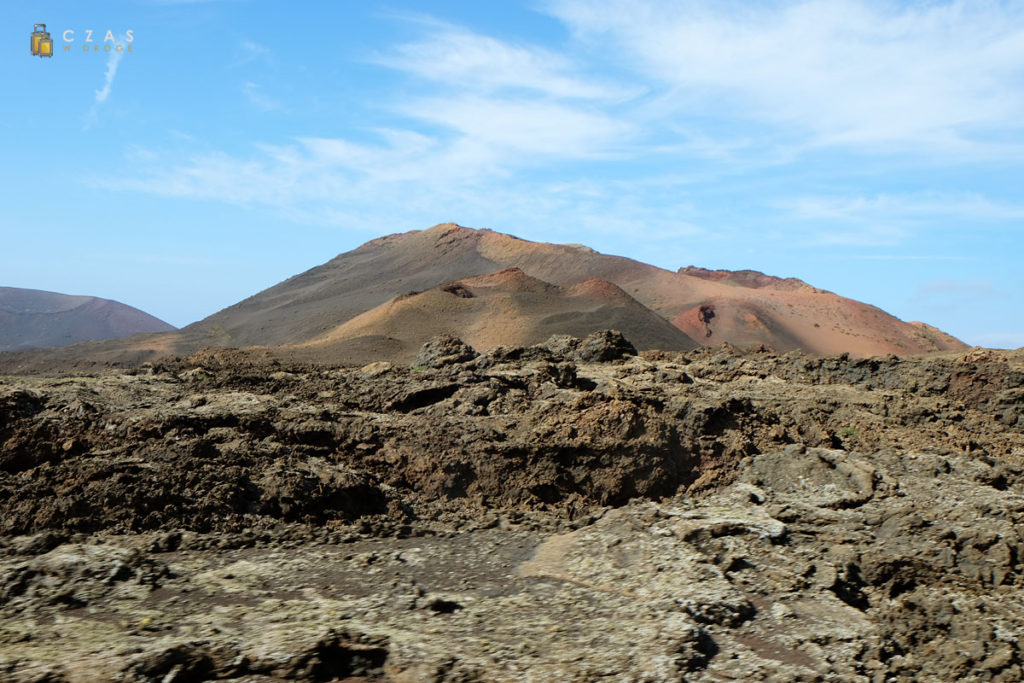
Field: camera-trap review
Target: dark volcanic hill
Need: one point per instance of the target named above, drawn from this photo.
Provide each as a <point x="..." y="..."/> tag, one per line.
<point x="30" y="318"/>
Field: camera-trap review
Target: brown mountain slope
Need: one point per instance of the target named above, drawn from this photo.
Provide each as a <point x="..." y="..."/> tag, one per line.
<point x="741" y="307"/>
<point x="507" y="308"/>
<point x="316" y="301"/>
<point x="941" y="338"/>
<point x="748" y="307"/>
<point x="30" y="318"/>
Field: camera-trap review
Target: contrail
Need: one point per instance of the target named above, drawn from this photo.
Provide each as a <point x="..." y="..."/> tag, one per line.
<point x="112" y="61"/>
<point x="103" y="93"/>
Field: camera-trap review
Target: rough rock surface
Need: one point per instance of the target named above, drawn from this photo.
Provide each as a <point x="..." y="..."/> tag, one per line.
<point x="524" y="514"/>
<point x="443" y="351"/>
<point x="602" y="346"/>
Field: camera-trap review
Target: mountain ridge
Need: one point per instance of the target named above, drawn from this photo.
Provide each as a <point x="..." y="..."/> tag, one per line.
<point x="577" y="291"/>
<point x="32" y="318"/>
<point x="746" y="307"/>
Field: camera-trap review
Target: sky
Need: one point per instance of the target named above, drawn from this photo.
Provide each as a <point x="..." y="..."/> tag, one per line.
<point x="871" y="148"/>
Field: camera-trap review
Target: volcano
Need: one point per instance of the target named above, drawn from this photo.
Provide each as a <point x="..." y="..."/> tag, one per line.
<point x="353" y="296"/>
<point x="384" y="299"/>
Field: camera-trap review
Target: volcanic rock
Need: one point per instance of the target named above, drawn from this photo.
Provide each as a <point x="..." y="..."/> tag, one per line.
<point x="715" y="514"/>
<point x="443" y="351"/>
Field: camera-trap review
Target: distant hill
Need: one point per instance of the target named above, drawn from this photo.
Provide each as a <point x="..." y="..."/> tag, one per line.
<point x="30" y="318"/>
<point x="740" y="307"/>
<point x="386" y="297"/>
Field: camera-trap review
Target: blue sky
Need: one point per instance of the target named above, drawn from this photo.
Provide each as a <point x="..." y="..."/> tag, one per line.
<point x="875" y="149"/>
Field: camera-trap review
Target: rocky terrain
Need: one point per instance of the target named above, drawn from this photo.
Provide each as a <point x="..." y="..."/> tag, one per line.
<point x="570" y="511"/>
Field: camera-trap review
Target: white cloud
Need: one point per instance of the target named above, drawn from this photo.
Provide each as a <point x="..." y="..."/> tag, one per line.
<point x="918" y="206"/>
<point x="506" y="103"/>
<point x="932" y="75"/>
<point x="847" y="72"/>
<point x="500" y="108"/>
<point x="483" y="140"/>
<point x="113" y="60"/>
<point x="257" y="98"/>
<point x="139" y="153"/>
<point x="407" y="180"/>
<point x="483" y="64"/>
<point x="867" y="235"/>
<point x="251" y="51"/>
<point x="704" y="93"/>
<point x="891" y="219"/>
<point x="286" y="176"/>
<point x="512" y="128"/>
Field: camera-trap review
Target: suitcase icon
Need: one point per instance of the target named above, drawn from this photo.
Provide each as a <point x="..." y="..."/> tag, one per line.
<point x="42" y="44"/>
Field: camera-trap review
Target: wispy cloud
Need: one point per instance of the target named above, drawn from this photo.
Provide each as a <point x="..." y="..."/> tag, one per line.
<point x="482" y="64"/>
<point x="695" y="93"/>
<point x="137" y="153"/>
<point x="512" y="130"/>
<point x="918" y="205"/>
<point x="254" y="94"/>
<point x="250" y="51"/>
<point x="506" y="104"/>
<point x="338" y="182"/>
<point x="113" y="60"/>
<point x="930" y="76"/>
<point x="890" y="219"/>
